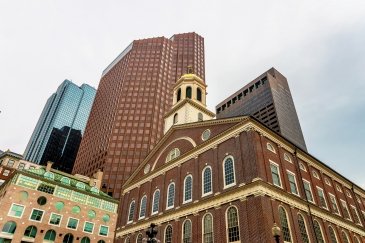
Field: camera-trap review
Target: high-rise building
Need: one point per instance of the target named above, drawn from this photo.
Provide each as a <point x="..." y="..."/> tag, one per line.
<point x="134" y="94"/>
<point x="59" y="130"/>
<point x="268" y="99"/>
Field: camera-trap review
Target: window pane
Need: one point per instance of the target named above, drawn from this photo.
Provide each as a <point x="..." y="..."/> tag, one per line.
<point x="16" y="210"/>
<point x="55" y="219"/>
<point x="208" y="229"/>
<point x="168" y="234"/>
<point x="72" y="223"/>
<point x="36" y="215"/>
<point x="171" y="195"/>
<point x="156" y="200"/>
<point x="188" y="188"/>
<point x="131" y="211"/>
<point x="292" y="183"/>
<point x="228" y="172"/>
<point x="88" y="227"/>
<point x="142" y="212"/>
<point x="187" y="232"/>
<point x="104" y="230"/>
<point x="275" y="175"/>
<point x="233" y="228"/>
<point x="284" y="225"/>
<point x="207" y="181"/>
<point x="318" y="232"/>
<point x="308" y="191"/>
<point x="303" y="230"/>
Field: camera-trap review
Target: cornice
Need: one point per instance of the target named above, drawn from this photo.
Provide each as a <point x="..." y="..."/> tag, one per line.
<point x="191" y="102"/>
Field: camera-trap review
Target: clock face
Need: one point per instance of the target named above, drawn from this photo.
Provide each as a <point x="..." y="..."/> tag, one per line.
<point x="206" y="135"/>
<point x="147" y="168"/>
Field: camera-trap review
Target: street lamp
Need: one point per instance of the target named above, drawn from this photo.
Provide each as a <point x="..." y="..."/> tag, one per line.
<point x="151" y="233"/>
<point x="276" y="232"/>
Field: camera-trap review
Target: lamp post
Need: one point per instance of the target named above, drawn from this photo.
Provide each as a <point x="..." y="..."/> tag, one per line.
<point x="151" y="233"/>
<point x="276" y="232"/>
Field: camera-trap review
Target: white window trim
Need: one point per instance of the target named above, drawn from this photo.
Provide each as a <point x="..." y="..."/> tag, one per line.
<point x="191" y="199"/>
<point x="83" y="228"/>
<point x="338" y="208"/>
<point x="288" y="221"/>
<point x="32" y="213"/>
<point x="357" y="214"/>
<point x="342" y="201"/>
<point x="203" y="227"/>
<point x="347" y="236"/>
<point x="306" y="226"/>
<point x="153" y="202"/>
<point x="224" y="173"/>
<point x="334" y="231"/>
<point x="164" y="232"/>
<point x="211" y="181"/>
<point x="129" y="212"/>
<point x="182" y="230"/>
<point x="310" y="189"/>
<point x="327" y="181"/>
<point x="17" y="205"/>
<point x="50" y="217"/>
<point x="302" y="167"/>
<point x="348" y="194"/>
<point x="338" y="188"/>
<point x="100" y="229"/>
<point x="320" y="228"/>
<point x="324" y="196"/>
<point x="270" y="147"/>
<point x="167" y="197"/>
<point x="238" y="222"/>
<point x="296" y="183"/>
<point x="140" y="208"/>
<point x="315" y="174"/>
<point x="277" y="165"/>
<point x="68" y="220"/>
<point x="288" y="158"/>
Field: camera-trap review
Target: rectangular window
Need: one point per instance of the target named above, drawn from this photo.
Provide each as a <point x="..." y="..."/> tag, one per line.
<point x="21" y="166"/>
<point x="46" y="188"/>
<point x="334" y="204"/>
<point x="345" y="210"/>
<point x="6" y="172"/>
<point x="72" y="223"/>
<point x="322" y="199"/>
<point x="355" y="214"/>
<point x="104" y="230"/>
<point x="16" y="210"/>
<point x="292" y="183"/>
<point x="88" y="227"/>
<point x="308" y="191"/>
<point x="36" y="215"/>
<point x="275" y="174"/>
<point x="11" y="163"/>
<point x="55" y="219"/>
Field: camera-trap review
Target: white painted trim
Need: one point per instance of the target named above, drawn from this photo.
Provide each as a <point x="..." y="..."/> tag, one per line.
<point x="140" y="208"/>
<point x="204" y="224"/>
<point x="17" y="205"/>
<point x="100" y="229"/>
<point x="324" y="197"/>
<point x="191" y="199"/>
<point x="68" y="220"/>
<point x="153" y="202"/>
<point x="167" y="197"/>
<point x="295" y="181"/>
<point x="50" y="217"/>
<point x="83" y="228"/>
<point x="357" y="214"/>
<point x="238" y="222"/>
<point x="306" y="226"/>
<point x="224" y="172"/>
<point x="347" y="208"/>
<point x="211" y="180"/>
<point x="320" y="229"/>
<point x="182" y="230"/>
<point x="278" y="167"/>
<point x="338" y="208"/>
<point x="129" y="211"/>
<point x="32" y="213"/>
<point x="310" y="189"/>
<point x="288" y="222"/>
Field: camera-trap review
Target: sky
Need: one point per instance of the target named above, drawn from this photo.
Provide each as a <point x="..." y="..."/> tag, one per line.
<point x="318" y="45"/>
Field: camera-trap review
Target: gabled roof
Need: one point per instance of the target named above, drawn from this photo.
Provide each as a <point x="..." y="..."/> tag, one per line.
<point x="11" y="154"/>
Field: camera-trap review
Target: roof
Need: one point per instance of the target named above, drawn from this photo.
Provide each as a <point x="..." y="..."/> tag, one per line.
<point x="11" y="154"/>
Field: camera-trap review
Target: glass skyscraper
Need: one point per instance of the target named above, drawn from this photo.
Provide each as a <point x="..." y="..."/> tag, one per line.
<point x="59" y="130"/>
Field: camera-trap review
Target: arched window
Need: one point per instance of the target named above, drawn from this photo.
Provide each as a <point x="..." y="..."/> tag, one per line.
<point x="168" y="234"/>
<point x="303" y="229"/>
<point x="188" y="189"/>
<point x="9" y="227"/>
<point x="174" y="153"/>
<point x="139" y="238"/>
<point x="178" y="97"/>
<point x="208" y="228"/>
<point x="287" y="158"/>
<point x="188" y="92"/>
<point x="49" y="175"/>
<point x="345" y="238"/>
<point x="356" y="240"/>
<point x="176" y="118"/>
<point x="229" y="174"/>
<point x="80" y="185"/>
<point x="318" y="231"/>
<point x="171" y="195"/>
<point x="65" y="180"/>
<point x="333" y="236"/>
<point x="30" y="231"/>
<point x="187" y="231"/>
<point x="131" y="211"/>
<point x="156" y="201"/>
<point x="270" y="147"/>
<point x="284" y="225"/>
<point x="68" y="238"/>
<point x="200" y="116"/>
<point x="199" y="94"/>
<point x="85" y="240"/>
<point x="127" y="240"/>
<point x="142" y="208"/>
<point x="50" y="235"/>
<point x="207" y="180"/>
<point x="233" y="230"/>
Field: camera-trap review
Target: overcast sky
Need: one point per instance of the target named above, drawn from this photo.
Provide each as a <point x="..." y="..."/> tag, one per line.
<point x="318" y="45"/>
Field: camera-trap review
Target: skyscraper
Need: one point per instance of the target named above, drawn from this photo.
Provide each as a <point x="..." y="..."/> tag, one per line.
<point x="59" y="130"/>
<point x="268" y="99"/>
<point x="133" y="96"/>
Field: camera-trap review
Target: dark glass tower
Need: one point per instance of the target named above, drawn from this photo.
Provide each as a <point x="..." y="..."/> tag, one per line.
<point x="268" y="99"/>
<point x="57" y="135"/>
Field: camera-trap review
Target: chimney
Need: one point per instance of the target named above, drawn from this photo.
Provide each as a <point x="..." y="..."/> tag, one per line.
<point x="96" y="180"/>
<point x="49" y="165"/>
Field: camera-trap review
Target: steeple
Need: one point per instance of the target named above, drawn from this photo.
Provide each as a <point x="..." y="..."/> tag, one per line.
<point x="189" y="101"/>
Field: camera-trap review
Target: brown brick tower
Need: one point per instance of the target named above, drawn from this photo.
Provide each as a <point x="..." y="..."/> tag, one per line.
<point x="134" y="93"/>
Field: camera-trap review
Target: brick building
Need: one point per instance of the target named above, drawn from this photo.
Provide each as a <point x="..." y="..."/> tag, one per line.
<point x="135" y="90"/>
<point x="47" y="205"/>
<point x="230" y="180"/>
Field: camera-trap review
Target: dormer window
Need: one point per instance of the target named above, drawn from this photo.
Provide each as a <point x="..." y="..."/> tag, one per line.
<point x="173" y="154"/>
<point x="199" y="94"/>
<point x="49" y="175"/>
<point x="188" y="92"/>
<point x="178" y="97"/>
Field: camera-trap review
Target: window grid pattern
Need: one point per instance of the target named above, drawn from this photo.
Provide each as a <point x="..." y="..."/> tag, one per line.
<point x="168" y="234"/>
<point x="31" y="231"/>
<point x="302" y="229"/>
<point x="334" y="204"/>
<point x="36" y="215"/>
<point x="292" y="183"/>
<point x="142" y="210"/>
<point x="318" y="232"/>
<point x="72" y="223"/>
<point x="275" y="174"/>
<point x="332" y="235"/>
<point x="284" y="225"/>
<point x="228" y="172"/>
<point x="208" y="229"/>
<point x="345" y="238"/>
<point x="188" y="188"/>
<point x="308" y="191"/>
<point x="187" y="232"/>
<point x="345" y="210"/>
<point x="139" y="238"/>
<point x="233" y="228"/>
<point x="156" y="201"/>
<point x="322" y="199"/>
<point x="131" y="211"/>
<point x="171" y="195"/>
<point x="9" y="227"/>
<point x="355" y="214"/>
<point x="16" y="210"/>
<point x="207" y="180"/>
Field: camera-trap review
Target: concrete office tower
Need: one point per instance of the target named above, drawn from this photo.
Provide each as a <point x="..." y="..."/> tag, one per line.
<point x="59" y="130"/>
<point x="134" y="94"/>
<point x="268" y="99"/>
